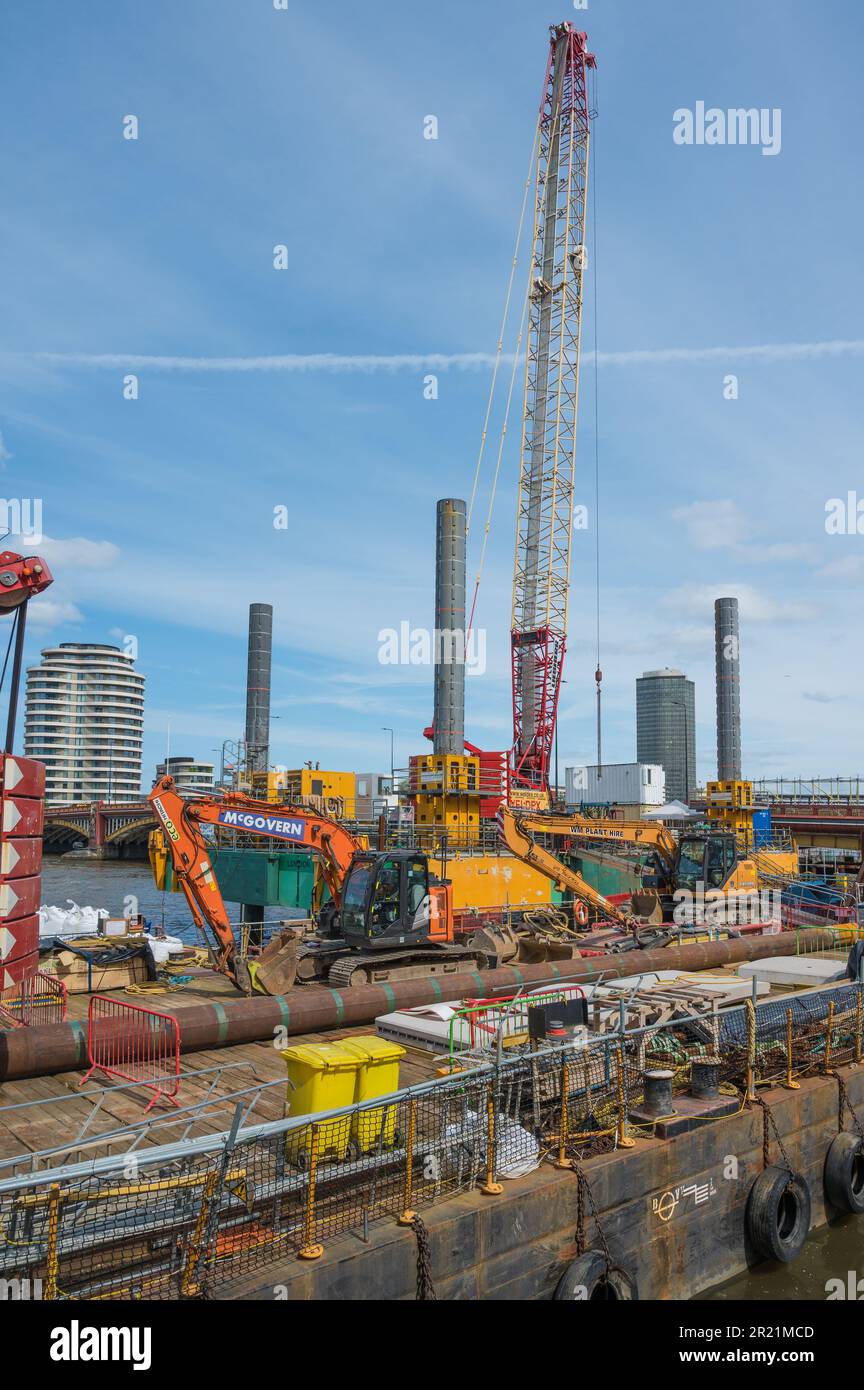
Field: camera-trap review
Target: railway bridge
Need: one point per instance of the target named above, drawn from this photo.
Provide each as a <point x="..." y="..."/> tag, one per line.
<point x="110" y="831"/>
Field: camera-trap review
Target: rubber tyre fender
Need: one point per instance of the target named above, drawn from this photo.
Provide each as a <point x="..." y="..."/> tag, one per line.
<point x="589" y="1272"/>
<point x="777" y="1218"/>
<point x="844" y="1173"/>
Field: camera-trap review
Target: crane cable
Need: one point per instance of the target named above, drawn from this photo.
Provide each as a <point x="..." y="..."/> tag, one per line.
<point x="501" y="443"/>
<point x="500" y="348"/>
<point x="598" y="675"/>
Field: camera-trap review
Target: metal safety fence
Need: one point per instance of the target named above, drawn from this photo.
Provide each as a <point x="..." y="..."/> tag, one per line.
<point x="41" y="998"/>
<point x="137" y="1044"/>
<point x="187" y="1219"/>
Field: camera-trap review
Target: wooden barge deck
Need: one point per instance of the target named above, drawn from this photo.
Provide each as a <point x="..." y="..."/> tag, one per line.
<point x="46" y="1112"/>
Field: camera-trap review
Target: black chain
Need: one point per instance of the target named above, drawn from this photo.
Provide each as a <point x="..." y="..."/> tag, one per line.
<point x="425" y="1288"/>
<point x="580" y="1213"/>
<point x="584" y="1190"/>
<point x="768" y="1119"/>
<point x="843" y="1102"/>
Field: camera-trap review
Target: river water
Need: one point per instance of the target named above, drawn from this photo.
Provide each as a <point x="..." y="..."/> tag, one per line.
<point x="111" y="883"/>
<point x="830" y="1253"/>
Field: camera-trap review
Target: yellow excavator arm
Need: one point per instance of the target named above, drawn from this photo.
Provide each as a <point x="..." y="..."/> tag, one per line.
<point x="629" y="832"/>
<point x="516" y="829"/>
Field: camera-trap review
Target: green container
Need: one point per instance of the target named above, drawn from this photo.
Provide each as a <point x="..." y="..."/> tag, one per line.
<point x="246" y="876"/>
<point x="265" y="880"/>
<point x="607" y="874"/>
<point x="296" y="877"/>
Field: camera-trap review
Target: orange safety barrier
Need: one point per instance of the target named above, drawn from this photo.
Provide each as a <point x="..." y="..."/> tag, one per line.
<point x="134" y="1043"/>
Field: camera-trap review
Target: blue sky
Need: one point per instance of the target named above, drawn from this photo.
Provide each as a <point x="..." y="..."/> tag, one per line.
<point x="305" y="127"/>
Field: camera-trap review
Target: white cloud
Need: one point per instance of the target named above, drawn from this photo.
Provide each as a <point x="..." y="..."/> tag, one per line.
<point x="78" y="553"/>
<point x="722" y="525"/>
<point x="850" y="567"/>
<point x="820" y="697"/>
<point x="4" y="452"/>
<point x="48" y="612"/>
<point x="783" y="550"/>
<point x="714" y="525"/>
<point x="754" y="607"/>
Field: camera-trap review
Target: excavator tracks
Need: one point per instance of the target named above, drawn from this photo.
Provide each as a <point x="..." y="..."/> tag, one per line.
<point x="376" y="967"/>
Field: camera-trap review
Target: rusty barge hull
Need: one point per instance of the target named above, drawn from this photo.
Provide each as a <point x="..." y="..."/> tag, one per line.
<point x="672" y="1211"/>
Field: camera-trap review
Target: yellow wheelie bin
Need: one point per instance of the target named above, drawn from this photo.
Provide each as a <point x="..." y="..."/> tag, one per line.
<point x="377" y="1075"/>
<point x="321" y="1076"/>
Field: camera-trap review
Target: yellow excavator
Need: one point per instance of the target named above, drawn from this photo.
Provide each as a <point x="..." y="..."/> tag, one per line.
<point x="708" y="865"/>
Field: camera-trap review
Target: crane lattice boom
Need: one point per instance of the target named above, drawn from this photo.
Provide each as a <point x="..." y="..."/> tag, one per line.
<point x="544" y="521"/>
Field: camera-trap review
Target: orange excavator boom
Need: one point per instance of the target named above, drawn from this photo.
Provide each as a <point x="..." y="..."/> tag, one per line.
<point x="182" y="820"/>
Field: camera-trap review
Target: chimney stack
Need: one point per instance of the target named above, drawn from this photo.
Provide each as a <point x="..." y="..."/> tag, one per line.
<point x="728" y="689"/>
<point x="449" y="712"/>
<point x="258" y="687"/>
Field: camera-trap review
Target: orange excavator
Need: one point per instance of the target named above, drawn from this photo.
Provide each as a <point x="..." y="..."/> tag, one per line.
<point x="387" y="919"/>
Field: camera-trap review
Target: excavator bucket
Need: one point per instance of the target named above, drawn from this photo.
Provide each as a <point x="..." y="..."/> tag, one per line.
<point x="242" y="978"/>
<point x="499" y="941"/>
<point x="646" y="905"/>
<point x="276" y="968"/>
<point x="535" y="950"/>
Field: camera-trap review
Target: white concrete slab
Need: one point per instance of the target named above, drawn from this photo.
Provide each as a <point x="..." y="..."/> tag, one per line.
<point x="793" y="970"/>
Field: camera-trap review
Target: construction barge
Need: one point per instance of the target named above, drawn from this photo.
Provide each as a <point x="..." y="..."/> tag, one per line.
<point x="618" y="1164"/>
<point x="551" y="1111"/>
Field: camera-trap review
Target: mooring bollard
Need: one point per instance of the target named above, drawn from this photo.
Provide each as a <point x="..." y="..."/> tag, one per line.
<point x="657" y="1092"/>
<point x="705" y="1077"/>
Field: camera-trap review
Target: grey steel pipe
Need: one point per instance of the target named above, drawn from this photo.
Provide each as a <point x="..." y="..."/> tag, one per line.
<point x="258" y="687"/>
<point x="728" y="679"/>
<point x="449" y="712"/>
<point x="63" y="1046"/>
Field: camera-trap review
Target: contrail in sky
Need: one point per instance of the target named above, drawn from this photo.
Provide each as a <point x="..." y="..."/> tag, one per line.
<point x="436" y="361"/>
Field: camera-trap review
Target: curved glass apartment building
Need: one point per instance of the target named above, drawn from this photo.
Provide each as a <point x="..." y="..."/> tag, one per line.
<point x="84" y="719"/>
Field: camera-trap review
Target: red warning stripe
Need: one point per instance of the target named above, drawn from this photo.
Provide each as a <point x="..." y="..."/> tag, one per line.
<point x="18" y="938"/>
<point x="22" y="968"/>
<point x="19" y="897"/>
<point x="19" y="857"/>
<point x="21" y="776"/>
<point x="21" y="816"/>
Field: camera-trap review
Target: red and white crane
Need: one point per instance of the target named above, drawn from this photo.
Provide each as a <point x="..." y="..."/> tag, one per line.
<point x="541" y="576"/>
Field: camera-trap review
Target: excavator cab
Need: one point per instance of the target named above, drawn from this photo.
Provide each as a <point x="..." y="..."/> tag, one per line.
<point x="704" y="864"/>
<point x="385" y="900"/>
<point x="705" y="861"/>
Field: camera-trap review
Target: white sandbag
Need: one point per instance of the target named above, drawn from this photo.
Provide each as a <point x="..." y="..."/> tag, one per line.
<point x="69" y="921"/>
<point x="163" y="947"/>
